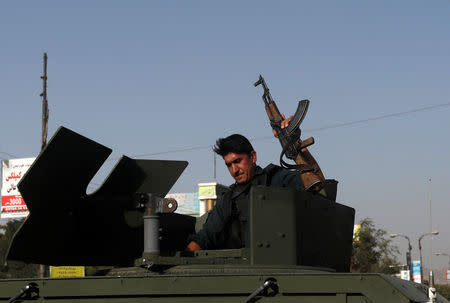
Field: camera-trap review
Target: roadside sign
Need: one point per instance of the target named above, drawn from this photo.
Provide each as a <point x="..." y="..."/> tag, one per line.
<point x="187" y="203"/>
<point x="13" y="206"/>
<point x="447" y="276"/>
<point x="416" y="271"/>
<point x="404" y="275"/>
<point x="207" y="190"/>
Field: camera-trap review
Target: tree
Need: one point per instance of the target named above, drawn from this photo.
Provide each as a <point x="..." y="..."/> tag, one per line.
<point x="372" y="251"/>
<point x="14" y="269"/>
<point x="444" y="290"/>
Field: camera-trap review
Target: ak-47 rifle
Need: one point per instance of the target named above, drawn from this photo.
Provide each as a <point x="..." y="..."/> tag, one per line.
<point x="294" y="148"/>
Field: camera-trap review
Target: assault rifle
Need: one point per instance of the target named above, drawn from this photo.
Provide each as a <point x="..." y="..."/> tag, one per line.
<point x="292" y="147"/>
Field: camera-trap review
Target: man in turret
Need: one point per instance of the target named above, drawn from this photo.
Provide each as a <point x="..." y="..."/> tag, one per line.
<point x="226" y="225"/>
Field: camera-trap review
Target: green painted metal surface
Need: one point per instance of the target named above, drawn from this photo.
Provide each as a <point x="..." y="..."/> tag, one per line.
<point x="224" y="287"/>
<point x="299" y="249"/>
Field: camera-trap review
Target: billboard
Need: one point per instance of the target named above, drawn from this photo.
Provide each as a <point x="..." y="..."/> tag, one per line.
<point x="207" y="190"/>
<point x="187" y="203"/>
<point x="416" y="271"/>
<point x="13" y="206"/>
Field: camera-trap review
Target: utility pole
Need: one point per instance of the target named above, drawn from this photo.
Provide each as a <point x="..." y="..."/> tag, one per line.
<point x="214" y="161"/>
<point x="44" y="104"/>
<point x="408" y="254"/>
<point x="43" y="268"/>
<point x="431" y="225"/>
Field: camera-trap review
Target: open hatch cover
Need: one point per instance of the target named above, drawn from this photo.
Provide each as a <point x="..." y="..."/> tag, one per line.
<point x="66" y="226"/>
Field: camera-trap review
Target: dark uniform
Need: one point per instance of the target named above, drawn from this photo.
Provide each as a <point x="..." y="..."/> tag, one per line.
<point x="226" y="226"/>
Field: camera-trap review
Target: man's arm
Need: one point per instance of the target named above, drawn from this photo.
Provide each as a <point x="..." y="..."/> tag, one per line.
<point x="291" y="178"/>
<point x="287" y="178"/>
<point x="211" y="234"/>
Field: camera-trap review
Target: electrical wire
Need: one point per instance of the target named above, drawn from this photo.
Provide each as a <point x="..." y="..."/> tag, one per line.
<point x="175" y="151"/>
<point x="8" y="154"/>
<point x="332" y="126"/>
<point x="380" y="117"/>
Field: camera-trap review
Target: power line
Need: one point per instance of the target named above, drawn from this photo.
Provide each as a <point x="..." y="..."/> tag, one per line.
<point x="175" y="151"/>
<point x="314" y="129"/>
<point x="332" y="126"/>
<point x="8" y="154"/>
<point x="381" y="117"/>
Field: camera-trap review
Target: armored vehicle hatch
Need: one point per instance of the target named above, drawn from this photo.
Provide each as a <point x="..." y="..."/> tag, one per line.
<point x="66" y="226"/>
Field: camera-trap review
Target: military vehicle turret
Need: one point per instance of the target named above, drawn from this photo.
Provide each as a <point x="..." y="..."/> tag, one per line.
<point x="299" y="248"/>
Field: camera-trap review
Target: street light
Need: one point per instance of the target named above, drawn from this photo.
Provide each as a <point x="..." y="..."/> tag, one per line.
<point x="444" y="254"/>
<point x="408" y="253"/>
<point x="433" y="233"/>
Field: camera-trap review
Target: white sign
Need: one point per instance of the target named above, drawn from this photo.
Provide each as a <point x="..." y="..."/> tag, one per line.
<point x="207" y="191"/>
<point x="187" y="203"/>
<point x="404" y="275"/>
<point x="13" y="206"/>
<point x="447" y="276"/>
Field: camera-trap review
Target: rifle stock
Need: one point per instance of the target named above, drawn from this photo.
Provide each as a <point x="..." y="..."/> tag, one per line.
<point x="314" y="180"/>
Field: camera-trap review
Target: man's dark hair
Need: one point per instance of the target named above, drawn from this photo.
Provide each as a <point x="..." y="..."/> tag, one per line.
<point x="233" y="144"/>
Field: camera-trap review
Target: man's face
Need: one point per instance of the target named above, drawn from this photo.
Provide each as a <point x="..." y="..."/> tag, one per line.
<point x="241" y="166"/>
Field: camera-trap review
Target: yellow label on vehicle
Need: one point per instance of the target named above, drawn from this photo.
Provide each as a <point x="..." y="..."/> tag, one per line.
<point x="66" y="271"/>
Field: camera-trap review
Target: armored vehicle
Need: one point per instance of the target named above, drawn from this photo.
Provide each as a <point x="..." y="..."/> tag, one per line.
<point x="299" y="248"/>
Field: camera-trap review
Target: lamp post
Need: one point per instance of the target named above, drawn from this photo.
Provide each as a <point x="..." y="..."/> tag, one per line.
<point x="444" y="254"/>
<point x="433" y="233"/>
<point x="408" y="253"/>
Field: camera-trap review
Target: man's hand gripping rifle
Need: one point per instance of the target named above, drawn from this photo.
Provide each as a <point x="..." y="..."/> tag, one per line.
<point x="294" y="148"/>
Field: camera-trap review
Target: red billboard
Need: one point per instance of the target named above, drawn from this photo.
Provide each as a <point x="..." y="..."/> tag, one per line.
<point x="13" y="206"/>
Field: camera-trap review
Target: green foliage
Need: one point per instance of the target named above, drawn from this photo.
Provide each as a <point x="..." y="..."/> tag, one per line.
<point x="443" y="290"/>
<point x="372" y="251"/>
<point x="14" y="269"/>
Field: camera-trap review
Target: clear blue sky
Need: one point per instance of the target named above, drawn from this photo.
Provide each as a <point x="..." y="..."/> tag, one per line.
<point x="144" y="77"/>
